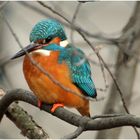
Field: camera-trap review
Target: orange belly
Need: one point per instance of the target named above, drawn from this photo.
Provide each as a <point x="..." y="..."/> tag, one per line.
<point x="44" y="88"/>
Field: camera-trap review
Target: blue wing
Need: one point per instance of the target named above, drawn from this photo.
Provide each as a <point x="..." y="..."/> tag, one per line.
<point x="80" y="69"/>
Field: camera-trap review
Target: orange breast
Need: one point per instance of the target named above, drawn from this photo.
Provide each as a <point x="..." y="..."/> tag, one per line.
<point x="44" y="88"/>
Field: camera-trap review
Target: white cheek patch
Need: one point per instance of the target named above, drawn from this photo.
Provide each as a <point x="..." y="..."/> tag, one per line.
<point x="42" y="51"/>
<point x="64" y="43"/>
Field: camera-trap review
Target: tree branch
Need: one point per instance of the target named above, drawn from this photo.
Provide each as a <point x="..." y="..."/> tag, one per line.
<point x="22" y="119"/>
<point x="65" y="115"/>
<point x="25" y="122"/>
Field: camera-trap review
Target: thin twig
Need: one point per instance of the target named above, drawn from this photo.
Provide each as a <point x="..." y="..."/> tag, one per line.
<point x="81" y="128"/>
<point x="104" y="77"/>
<point x="84" y="1"/>
<point x="75" y="134"/>
<point x="73" y="21"/>
<point x="107" y="116"/>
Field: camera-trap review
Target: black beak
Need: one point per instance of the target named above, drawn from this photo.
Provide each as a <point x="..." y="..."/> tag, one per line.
<point x="28" y="49"/>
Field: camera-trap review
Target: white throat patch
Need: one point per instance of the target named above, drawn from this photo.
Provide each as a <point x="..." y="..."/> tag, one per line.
<point x="64" y="43"/>
<point x="46" y="52"/>
<point x="42" y="51"/>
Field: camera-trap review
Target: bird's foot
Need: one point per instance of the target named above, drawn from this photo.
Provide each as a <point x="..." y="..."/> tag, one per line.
<point x="39" y="104"/>
<point x="55" y="106"/>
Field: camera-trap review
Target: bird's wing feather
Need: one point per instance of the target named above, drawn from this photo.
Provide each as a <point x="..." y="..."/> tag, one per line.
<point x="80" y="69"/>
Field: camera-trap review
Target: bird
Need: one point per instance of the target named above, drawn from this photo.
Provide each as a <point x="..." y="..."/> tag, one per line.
<point x="49" y="47"/>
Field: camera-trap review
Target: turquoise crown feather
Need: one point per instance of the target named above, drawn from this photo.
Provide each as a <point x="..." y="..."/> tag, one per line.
<point x="47" y="28"/>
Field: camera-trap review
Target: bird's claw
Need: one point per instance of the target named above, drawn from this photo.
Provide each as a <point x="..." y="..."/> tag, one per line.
<point x="39" y="103"/>
<point x="55" y="106"/>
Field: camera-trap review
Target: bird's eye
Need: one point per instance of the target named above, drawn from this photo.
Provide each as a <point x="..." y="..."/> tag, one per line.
<point x="47" y="40"/>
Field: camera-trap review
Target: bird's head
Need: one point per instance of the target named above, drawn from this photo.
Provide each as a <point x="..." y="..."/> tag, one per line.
<point x="43" y="33"/>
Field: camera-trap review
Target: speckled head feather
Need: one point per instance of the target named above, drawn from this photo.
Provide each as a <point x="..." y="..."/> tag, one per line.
<point x="47" y="28"/>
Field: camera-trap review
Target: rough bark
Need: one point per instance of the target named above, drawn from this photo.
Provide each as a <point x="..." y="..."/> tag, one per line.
<point x="98" y="122"/>
<point x="29" y="128"/>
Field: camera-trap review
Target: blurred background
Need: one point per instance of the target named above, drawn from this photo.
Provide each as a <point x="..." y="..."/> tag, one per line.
<point x="102" y="18"/>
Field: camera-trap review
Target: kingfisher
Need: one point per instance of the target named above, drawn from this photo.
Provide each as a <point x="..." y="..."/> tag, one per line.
<point x="50" y="49"/>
